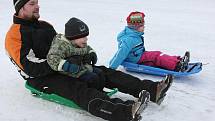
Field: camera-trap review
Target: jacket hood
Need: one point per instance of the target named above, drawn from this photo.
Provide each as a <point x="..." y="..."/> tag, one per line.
<point x="128" y="32"/>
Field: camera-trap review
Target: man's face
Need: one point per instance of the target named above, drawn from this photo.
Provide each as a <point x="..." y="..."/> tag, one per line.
<point x="30" y="10"/>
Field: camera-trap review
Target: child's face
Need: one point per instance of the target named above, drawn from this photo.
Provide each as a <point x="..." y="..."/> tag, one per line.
<point x="141" y="28"/>
<point x="81" y="42"/>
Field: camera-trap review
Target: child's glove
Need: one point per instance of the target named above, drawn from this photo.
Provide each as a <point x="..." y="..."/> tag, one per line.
<point x="75" y="59"/>
<point x="69" y="67"/>
<point x="90" y="58"/>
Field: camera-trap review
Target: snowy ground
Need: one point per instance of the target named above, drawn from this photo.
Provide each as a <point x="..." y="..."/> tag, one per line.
<point x="172" y="26"/>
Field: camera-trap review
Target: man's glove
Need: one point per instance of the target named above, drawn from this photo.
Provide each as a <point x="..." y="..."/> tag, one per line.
<point x="90" y="58"/>
<point x="70" y="67"/>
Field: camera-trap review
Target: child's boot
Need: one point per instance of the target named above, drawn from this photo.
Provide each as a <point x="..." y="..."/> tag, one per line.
<point x="183" y="63"/>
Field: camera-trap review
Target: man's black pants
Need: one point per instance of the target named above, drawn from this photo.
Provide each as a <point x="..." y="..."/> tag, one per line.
<point x="92" y="99"/>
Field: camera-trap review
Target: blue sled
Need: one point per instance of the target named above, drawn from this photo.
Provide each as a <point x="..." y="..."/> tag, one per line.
<point x="192" y="69"/>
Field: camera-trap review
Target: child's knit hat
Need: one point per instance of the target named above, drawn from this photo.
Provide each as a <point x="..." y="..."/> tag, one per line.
<point x="75" y="29"/>
<point x="135" y="19"/>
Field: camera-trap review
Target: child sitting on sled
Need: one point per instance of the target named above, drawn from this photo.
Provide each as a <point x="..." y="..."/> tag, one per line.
<point x="131" y="48"/>
<point x="71" y="55"/>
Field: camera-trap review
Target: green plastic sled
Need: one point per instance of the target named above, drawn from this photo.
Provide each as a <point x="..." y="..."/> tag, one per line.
<point x="59" y="99"/>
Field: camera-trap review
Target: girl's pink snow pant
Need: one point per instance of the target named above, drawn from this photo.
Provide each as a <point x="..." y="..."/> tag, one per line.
<point x="158" y="59"/>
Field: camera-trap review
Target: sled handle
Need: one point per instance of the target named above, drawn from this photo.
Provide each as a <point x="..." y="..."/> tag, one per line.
<point x="194" y="67"/>
<point x="113" y="91"/>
